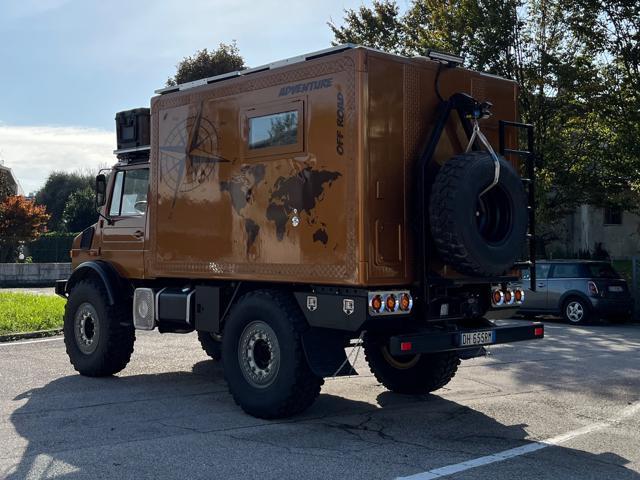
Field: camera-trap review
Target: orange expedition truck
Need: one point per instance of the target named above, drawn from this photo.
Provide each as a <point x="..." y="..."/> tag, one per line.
<point x="285" y="212"/>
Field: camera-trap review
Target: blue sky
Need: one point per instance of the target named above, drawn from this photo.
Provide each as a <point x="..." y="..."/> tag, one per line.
<point x="67" y="66"/>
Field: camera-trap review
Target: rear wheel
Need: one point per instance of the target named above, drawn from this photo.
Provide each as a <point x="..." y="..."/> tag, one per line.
<point x="264" y="361"/>
<point x="411" y="374"/>
<point x="210" y="345"/>
<point x="576" y="311"/>
<point x="98" y="337"/>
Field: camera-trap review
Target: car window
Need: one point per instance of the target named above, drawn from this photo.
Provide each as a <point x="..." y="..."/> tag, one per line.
<point x="542" y="271"/>
<point x="567" y="270"/>
<point x="602" y="270"/>
<point x="130" y="193"/>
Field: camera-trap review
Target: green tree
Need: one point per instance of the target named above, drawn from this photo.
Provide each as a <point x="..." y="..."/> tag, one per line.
<point x="203" y="64"/>
<point x="577" y="64"/>
<point x="80" y="210"/>
<point x="56" y="192"/>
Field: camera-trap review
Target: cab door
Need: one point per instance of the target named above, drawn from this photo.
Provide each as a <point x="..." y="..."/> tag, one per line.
<point x="123" y="236"/>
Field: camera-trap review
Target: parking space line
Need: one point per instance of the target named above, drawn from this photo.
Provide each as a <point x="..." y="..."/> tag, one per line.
<point x="26" y="342"/>
<point x="525" y="449"/>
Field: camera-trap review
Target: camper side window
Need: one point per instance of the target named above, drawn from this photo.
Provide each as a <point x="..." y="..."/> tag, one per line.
<point x="273" y="130"/>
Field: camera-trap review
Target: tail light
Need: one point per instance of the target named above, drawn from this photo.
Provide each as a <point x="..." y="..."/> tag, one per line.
<point x="519" y="295"/>
<point x="376" y="303"/>
<point x="406" y="302"/>
<point x="391" y="303"/>
<point x="497" y="298"/>
<point x="593" y="288"/>
<point x="508" y="297"/>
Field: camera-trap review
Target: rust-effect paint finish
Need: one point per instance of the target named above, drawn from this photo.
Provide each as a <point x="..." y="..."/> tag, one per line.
<point x="326" y="203"/>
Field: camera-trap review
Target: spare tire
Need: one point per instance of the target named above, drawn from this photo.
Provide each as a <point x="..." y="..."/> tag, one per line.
<point x="478" y="236"/>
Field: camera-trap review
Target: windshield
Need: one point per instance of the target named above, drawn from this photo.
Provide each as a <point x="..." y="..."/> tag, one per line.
<point x="602" y="270"/>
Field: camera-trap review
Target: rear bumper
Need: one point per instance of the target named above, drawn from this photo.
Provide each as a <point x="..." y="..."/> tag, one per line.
<point x="432" y="341"/>
<point x="607" y="307"/>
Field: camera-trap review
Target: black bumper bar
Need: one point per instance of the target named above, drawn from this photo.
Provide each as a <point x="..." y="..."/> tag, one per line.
<point x="439" y="341"/>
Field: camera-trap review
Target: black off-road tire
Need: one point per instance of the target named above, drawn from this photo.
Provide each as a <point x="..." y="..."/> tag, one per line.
<point x="294" y="387"/>
<point x="587" y="312"/>
<point x="478" y="241"/>
<point x="410" y="374"/>
<point x="210" y="345"/>
<point x="114" y="332"/>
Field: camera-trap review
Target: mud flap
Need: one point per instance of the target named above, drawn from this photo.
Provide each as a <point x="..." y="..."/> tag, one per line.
<point x="324" y="350"/>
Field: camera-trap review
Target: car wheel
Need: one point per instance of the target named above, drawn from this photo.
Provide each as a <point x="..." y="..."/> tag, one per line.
<point x="576" y="311"/>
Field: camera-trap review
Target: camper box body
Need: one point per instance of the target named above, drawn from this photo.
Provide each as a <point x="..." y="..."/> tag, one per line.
<point x="327" y="199"/>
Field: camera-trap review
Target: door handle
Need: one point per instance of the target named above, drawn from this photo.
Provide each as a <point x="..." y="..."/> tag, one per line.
<point x="138" y="234"/>
<point x="541" y="284"/>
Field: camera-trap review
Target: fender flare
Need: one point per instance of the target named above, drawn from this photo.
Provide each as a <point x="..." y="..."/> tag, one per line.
<point x="112" y="281"/>
<point x="573" y="293"/>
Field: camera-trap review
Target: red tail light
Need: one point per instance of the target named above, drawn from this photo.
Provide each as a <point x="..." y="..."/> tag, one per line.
<point x="538" y="331"/>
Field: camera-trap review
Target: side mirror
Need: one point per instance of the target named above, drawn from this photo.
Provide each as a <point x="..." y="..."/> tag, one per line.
<point x="101" y="190"/>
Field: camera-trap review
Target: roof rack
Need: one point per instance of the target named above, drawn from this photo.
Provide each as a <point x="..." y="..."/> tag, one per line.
<point x="249" y="71"/>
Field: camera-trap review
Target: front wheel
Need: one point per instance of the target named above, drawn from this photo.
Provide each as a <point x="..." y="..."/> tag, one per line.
<point x="410" y="374"/>
<point x="98" y="336"/>
<point x="263" y="357"/>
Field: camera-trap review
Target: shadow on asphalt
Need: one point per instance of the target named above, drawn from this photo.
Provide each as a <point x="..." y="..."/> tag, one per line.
<point x="70" y="419"/>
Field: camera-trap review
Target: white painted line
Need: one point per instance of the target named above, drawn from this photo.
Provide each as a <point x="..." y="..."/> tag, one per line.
<point x="26" y="342"/>
<point x="523" y="450"/>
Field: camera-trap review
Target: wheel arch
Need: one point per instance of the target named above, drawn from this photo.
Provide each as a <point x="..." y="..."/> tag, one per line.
<point x="116" y="288"/>
<point x="566" y="296"/>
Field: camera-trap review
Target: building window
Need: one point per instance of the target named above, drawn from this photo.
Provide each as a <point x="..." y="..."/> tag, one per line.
<point x="273" y="130"/>
<point x="612" y="216"/>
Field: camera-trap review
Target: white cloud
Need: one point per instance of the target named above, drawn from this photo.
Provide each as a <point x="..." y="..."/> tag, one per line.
<point x="34" y="152"/>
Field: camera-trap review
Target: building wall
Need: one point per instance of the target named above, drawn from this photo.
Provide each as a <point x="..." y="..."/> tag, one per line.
<point x="13" y="182"/>
<point x="586" y="226"/>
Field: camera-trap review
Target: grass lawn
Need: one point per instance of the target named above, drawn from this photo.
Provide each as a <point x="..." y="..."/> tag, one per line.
<point x="28" y="312"/>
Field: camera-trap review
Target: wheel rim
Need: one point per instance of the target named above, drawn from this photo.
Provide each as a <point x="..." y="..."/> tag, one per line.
<point x="575" y="311"/>
<point x="401" y="363"/>
<point x="494" y="215"/>
<point x="259" y="354"/>
<point x="87" y="328"/>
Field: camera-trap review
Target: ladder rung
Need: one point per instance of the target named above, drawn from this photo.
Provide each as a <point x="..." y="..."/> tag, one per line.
<point x="518" y="152"/>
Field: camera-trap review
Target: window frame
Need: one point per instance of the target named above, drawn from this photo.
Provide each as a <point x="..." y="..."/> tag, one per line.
<point x="113" y="186"/>
<point x="290" y="105"/>
<point x="552" y="272"/>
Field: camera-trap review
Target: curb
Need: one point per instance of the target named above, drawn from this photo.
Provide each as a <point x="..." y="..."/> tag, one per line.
<point x="12" y="337"/>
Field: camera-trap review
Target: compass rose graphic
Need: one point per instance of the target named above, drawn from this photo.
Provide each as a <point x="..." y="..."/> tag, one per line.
<point x="189" y="154"/>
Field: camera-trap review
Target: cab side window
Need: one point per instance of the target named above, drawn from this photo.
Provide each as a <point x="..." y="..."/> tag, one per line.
<point x="129" y="196"/>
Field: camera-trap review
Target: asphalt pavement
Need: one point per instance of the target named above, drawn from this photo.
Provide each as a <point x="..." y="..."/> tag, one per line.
<point x="564" y="407"/>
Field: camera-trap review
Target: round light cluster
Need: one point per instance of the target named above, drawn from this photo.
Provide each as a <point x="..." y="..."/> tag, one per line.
<point x="507" y="297"/>
<point x="391" y="302"/>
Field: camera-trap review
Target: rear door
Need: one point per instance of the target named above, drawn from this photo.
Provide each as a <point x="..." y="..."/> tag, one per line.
<point x="564" y="277"/>
<point x="537" y="300"/>
<point x="123" y="239"/>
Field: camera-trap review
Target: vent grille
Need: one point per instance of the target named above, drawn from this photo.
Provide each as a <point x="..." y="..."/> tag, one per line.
<point x="144" y="312"/>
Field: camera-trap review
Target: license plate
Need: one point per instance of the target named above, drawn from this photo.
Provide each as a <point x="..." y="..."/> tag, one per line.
<point x="615" y="288"/>
<point x="477" y="338"/>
